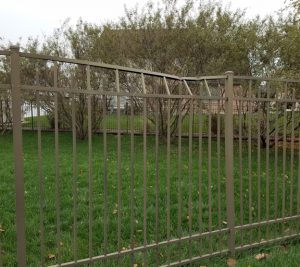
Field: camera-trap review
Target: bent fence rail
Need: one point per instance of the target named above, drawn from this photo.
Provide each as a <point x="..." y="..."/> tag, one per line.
<point x="219" y="173"/>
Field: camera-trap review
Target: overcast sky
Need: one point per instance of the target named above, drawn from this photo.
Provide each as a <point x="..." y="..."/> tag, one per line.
<point x="24" y="18"/>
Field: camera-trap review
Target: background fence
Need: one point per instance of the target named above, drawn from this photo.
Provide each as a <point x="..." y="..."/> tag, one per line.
<point x="195" y="167"/>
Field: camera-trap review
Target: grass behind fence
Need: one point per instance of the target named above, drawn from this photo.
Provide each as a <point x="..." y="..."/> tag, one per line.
<point x="154" y="257"/>
<point x="111" y="123"/>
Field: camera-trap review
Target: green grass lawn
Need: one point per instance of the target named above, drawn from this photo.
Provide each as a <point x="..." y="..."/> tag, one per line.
<point x="186" y="183"/>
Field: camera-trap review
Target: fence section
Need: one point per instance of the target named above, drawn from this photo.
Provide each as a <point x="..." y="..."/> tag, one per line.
<point x="187" y="173"/>
<point x="267" y="170"/>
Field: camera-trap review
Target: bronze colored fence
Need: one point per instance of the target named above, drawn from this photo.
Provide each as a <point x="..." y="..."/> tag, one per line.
<point x="196" y="166"/>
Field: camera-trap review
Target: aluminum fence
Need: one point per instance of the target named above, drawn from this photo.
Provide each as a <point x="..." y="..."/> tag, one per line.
<point x="196" y="167"/>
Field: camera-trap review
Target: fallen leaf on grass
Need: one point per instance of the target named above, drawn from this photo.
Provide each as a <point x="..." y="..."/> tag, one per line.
<point x="261" y="256"/>
<point x="135" y="265"/>
<point x="1" y="229"/>
<point x="203" y="266"/>
<point x="51" y="256"/>
<point x="231" y="262"/>
<point x="285" y="248"/>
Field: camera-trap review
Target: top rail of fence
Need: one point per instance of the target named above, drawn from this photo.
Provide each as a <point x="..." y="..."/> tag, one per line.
<point x="253" y="78"/>
<point x="146" y="72"/>
<point x="120" y="68"/>
<point x="98" y="64"/>
<point x="4" y="53"/>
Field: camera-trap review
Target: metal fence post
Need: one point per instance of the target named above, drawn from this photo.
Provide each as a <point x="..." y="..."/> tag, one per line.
<point x="18" y="154"/>
<point x="229" y="160"/>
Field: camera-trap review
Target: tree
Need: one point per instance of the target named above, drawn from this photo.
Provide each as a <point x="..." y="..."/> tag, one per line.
<point x="188" y="41"/>
<point x="193" y="39"/>
<point x="77" y="43"/>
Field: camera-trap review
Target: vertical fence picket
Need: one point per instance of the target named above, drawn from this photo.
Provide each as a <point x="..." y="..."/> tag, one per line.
<point x="74" y="178"/>
<point x="241" y="105"/>
<point x="209" y="177"/>
<point x="119" y="165"/>
<point x="90" y="161"/>
<point x="144" y="168"/>
<point x="57" y="170"/>
<point x="283" y="201"/>
<point x="219" y="162"/>
<point x="157" y="224"/>
<point x="179" y="168"/>
<point x="41" y="182"/>
<point x="268" y="163"/>
<point x="259" y="121"/>
<point x="200" y="169"/>
<point x="132" y="181"/>
<point x="229" y="161"/>
<point x="105" y="176"/>
<point x="18" y="155"/>
<point x="276" y="160"/>
<point x="168" y="169"/>
<point x="250" y="158"/>
<point x="292" y="154"/>
<point x="190" y="176"/>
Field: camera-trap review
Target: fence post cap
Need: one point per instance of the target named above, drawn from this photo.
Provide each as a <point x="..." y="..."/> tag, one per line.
<point x="14" y="48"/>
<point x="229" y="72"/>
